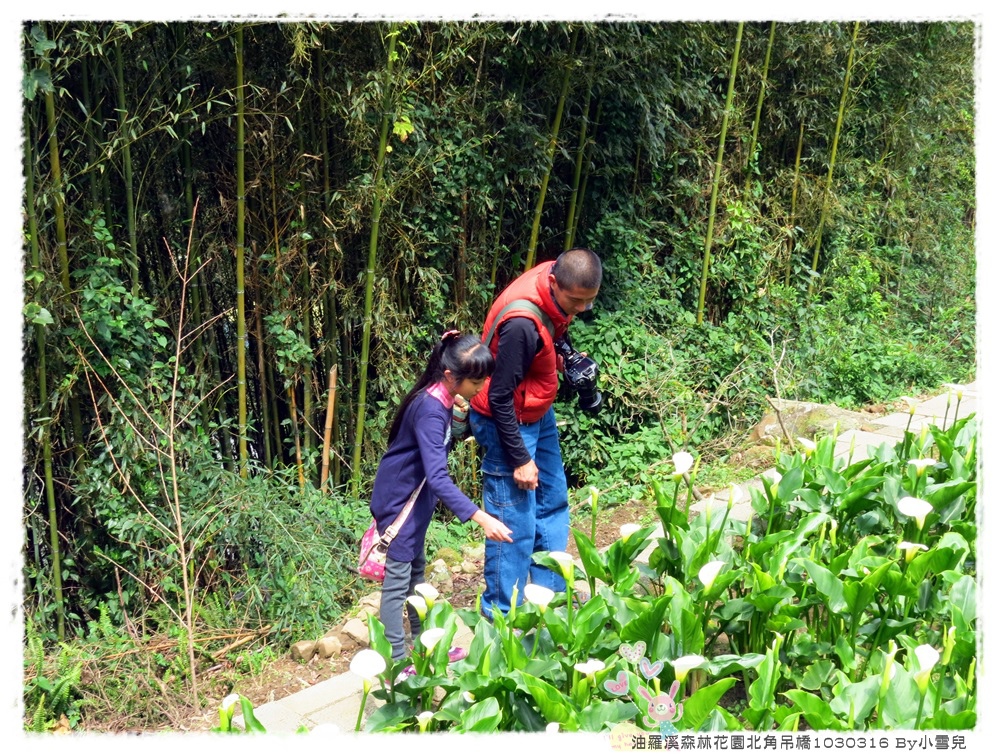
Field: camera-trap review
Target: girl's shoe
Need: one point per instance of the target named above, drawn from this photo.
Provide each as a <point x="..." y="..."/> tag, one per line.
<point x="405" y="673"/>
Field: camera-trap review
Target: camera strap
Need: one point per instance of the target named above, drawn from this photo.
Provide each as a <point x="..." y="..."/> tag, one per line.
<point x="521" y="304"/>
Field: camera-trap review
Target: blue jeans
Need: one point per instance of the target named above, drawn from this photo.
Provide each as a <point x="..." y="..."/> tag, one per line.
<point x="538" y="519"/>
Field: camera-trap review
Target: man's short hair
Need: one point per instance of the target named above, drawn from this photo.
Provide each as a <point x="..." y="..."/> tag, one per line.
<point x="578" y="268"/>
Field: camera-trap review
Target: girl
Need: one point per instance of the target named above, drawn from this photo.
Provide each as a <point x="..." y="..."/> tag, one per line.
<point x="418" y="448"/>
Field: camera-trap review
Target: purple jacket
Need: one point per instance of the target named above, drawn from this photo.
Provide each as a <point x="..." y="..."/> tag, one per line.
<point x="419" y="450"/>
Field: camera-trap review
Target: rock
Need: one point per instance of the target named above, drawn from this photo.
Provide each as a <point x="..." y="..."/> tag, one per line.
<point x="474" y="551"/>
<point x="468" y="567"/>
<point x="357" y="631"/>
<point x="370" y="600"/>
<point x="303" y="650"/>
<point x="439" y="575"/>
<point x="803" y="419"/>
<point x="449" y="556"/>
<point x="329" y="646"/>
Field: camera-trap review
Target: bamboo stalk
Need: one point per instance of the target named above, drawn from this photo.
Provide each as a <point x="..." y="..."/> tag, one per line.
<point x="581" y="148"/>
<point x="262" y="384"/>
<point x="550" y="157"/>
<point x="328" y="429"/>
<point x="43" y="395"/>
<point x="833" y="153"/>
<point x="795" y="194"/>
<point x="241" y="324"/>
<point x="706" y="261"/>
<point x="379" y="188"/>
<point x="295" y="436"/>
<point x="760" y="107"/>
<point x="127" y="171"/>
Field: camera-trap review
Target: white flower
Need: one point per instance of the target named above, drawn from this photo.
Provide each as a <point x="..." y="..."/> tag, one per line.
<point x="424" y="719"/>
<point x="430" y="637"/>
<point x="708" y="572"/>
<point x="418" y="604"/>
<point x="771" y="476"/>
<point x="469" y="697"/>
<point x="565" y="561"/>
<point x="684" y="665"/>
<point x="921" y="464"/>
<point x="910" y="549"/>
<point x="683" y="461"/>
<point x="227" y="704"/>
<point x="911" y="404"/>
<point x="590" y="667"/>
<point x="552" y="728"/>
<point x="808" y="445"/>
<point x="915" y="508"/>
<point x="927" y="658"/>
<point x="539" y="595"/>
<point x="627" y="530"/>
<point x="735" y="494"/>
<point x="428" y="592"/>
<point x="367" y="664"/>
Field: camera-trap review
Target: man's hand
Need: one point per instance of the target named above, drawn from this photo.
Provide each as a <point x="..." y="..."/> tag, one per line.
<point x="495" y="528"/>
<point x="526" y="477"/>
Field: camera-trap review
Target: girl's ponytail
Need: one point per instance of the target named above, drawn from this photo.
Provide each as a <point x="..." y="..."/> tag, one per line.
<point x="464" y="356"/>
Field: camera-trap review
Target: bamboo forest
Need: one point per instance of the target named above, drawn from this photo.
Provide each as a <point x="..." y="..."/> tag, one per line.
<point x="242" y="239"/>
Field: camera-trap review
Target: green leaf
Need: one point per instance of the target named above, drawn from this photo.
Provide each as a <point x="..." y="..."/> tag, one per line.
<point x="250" y="721"/>
<point x="828" y="585"/>
<point x="601" y="715"/>
<point x="481" y="717"/>
<point x="963" y="598"/>
<point x="700" y="704"/>
<point x="552" y="703"/>
<point x="593" y="562"/>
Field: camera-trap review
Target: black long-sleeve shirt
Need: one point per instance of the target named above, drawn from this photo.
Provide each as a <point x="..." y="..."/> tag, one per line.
<point x="518" y="344"/>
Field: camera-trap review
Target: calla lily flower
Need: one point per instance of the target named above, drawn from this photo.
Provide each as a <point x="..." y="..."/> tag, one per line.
<point x="771" y="476"/>
<point x="424" y="719"/>
<point x="683" y="461"/>
<point x="469" y="697"/>
<point x="956" y="389"/>
<point x="889" y="669"/>
<point x="808" y="445"/>
<point x="589" y="668"/>
<point x="565" y="561"/>
<point x="418" y="604"/>
<point x="552" y="728"/>
<point x="916" y="508"/>
<point x="431" y="637"/>
<point x="735" y="494"/>
<point x="949" y="645"/>
<point x="627" y="530"/>
<point x="428" y="592"/>
<point x="708" y="572"/>
<point x="921" y="464"/>
<point x="927" y="658"/>
<point x="911" y="404"/>
<point x="684" y="665"/>
<point x="229" y="703"/>
<point x="910" y="549"/>
<point x="367" y="664"/>
<point x="538" y="595"/>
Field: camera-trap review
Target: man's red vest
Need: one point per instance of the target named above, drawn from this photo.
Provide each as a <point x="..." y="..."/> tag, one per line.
<point x="537" y="392"/>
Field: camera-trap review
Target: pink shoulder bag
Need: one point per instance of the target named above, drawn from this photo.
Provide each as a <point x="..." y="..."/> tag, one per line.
<point x="371" y="564"/>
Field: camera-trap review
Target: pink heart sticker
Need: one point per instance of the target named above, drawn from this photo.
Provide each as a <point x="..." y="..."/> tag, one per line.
<point x="633" y="652"/>
<point x="650" y="669"/>
<point x="618" y="686"/>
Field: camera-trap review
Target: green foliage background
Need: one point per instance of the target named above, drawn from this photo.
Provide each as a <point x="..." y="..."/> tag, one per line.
<point x="112" y="417"/>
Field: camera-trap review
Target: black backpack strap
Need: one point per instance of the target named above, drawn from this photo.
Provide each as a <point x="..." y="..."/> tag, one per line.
<point x="521" y="304"/>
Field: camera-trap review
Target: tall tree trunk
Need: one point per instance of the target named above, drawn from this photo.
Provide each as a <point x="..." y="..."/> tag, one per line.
<point x="760" y="107"/>
<point x="550" y="157"/>
<point x="241" y="324"/>
<point x="833" y="153"/>
<point x="706" y="261"/>
<point x="379" y="190"/>
<point x="127" y="169"/>
<point x="263" y="385"/>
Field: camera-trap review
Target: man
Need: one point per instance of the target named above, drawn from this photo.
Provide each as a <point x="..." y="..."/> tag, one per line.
<point x="524" y="482"/>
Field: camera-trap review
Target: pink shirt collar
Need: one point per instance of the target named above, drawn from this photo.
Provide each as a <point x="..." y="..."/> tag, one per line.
<point x="439" y="391"/>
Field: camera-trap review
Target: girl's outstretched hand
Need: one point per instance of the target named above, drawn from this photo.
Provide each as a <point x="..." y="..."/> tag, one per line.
<point x="495" y="528"/>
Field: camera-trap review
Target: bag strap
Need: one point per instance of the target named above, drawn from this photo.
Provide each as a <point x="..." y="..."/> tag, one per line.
<point x="521" y="304"/>
<point x="395" y="526"/>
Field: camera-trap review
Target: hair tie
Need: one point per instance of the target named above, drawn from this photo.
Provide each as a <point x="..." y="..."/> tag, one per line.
<point x="449" y="335"/>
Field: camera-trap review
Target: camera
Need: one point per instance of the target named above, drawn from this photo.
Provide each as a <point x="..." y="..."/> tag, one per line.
<point x="581" y="371"/>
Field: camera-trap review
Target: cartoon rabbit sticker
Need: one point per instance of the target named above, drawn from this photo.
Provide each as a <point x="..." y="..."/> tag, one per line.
<point x="663" y="709"/>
